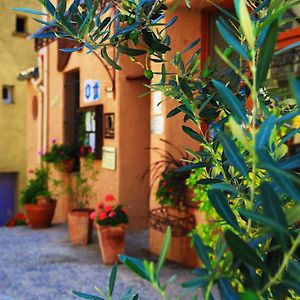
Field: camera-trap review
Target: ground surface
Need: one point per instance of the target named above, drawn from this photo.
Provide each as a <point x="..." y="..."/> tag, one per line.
<point x="42" y="265"/>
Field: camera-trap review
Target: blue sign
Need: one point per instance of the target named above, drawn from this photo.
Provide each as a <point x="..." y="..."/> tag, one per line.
<point x="92" y="90"/>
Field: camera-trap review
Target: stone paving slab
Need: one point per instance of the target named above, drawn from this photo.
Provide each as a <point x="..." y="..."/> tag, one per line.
<point x="42" y="265"/>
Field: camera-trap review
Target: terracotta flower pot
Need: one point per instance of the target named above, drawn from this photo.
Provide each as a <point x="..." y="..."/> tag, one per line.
<point x="40" y="215"/>
<point x="111" y="242"/>
<point x="80" y="226"/>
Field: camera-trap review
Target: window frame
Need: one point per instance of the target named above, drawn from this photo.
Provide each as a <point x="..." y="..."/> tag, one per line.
<point x="10" y="99"/>
<point x="25" y="19"/>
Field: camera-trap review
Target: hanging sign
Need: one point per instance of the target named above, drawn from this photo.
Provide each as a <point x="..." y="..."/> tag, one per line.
<point x="91" y="91"/>
<point x="157" y="125"/>
<point x="157" y="102"/>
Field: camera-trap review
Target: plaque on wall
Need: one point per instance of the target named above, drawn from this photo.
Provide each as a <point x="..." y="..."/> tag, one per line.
<point x="157" y="125"/>
<point x="109" y="125"/>
<point x="109" y="158"/>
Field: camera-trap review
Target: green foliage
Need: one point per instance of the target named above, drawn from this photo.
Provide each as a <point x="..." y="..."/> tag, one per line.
<point x="251" y="180"/>
<point x="37" y="186"/>
<point x="108" y="295"/>
<point x="59" y="153"/>
<point x="81" y="190"/>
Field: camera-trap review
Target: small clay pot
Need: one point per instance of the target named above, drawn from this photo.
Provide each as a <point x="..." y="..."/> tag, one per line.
<point x="40" y="216"/>
<point x="111" y="242"/>
<point x="80" y="226"/>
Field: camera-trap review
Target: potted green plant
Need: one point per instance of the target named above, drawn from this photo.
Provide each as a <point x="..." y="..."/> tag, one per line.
<point x="81" y="192"/>
<point x="110" y="219"/>
<point x="38" y="200"/>
<point x="62" y="156"/>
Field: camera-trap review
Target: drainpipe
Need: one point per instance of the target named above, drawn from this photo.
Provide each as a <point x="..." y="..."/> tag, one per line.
<point x="45" y="100"/>
<point x="38" y="86"/>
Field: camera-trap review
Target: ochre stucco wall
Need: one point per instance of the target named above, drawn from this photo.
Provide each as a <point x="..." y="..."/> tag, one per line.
<point x="16" y="54"/>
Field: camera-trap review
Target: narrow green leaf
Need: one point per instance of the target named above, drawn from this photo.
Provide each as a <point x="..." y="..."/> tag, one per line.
<point x="265" y="54"/>
<point x="201" y="250"/>
<point x="294" y="269"/>
<point x="227" y="291"/>
<point x="164" y="251"/>
<point x="285" y="180"/>
<point x="186" y="88"/>
<point x="174" y="111"/>
<point x="29" y="11"/>
<point x="249" y="295"/>
<point x="273" y="210"/>
<point x="263" y="220"/>
<point x="86" y="296"/>
<point x="232" y="153"/>
<point x="243" y="251"/>
<point x="135" y="265"/>
<point x="293" y="215"/>
<point x="264" y="132"/>
<point x="109" y="60"/>
<point x="193" y="134"/>
<point x="221" y="205"/>
<point x="233" y="103"/>
<point x="232" y="41"/>
<point x="245" y="21"/>
<point x="131" y="51"/>
<point x="62" y="5"/>
<point x="295" y="84"/>
<point x="112" y="279"/>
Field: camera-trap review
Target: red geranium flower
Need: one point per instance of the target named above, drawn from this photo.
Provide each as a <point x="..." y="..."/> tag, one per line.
<point x="108" y="208"/>
<point x="112" y="214"/>
<point x="93" y="215"/>
<point x="102" y="215"/>
<point x="109" y="197"/>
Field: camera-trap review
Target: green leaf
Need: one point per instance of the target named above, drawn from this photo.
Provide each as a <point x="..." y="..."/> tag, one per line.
<point x="233" y="103"/>
<point x="112" y="279"/>
<point x="293" y="214"/>
<point x="49" y="6"/>
<point x="193" y="134"/>
<point x="294" y="269"/>
<point x="164" y="251"/>
<point x="285" y="180"/>
<point x="135" y="265"/>
<point x="294" y="285"/>
<point x="264" y="132"/>
<point x="174" y="111"/>
<point x="245" y="21"/>
<point x="220" y="203"/>
<point x="265" y="54"/>
<point x="192" y="45"/>
<point x="249" y="295"/>
<point x="227" y="291"/>
<point x="186" y="88"/>
<point x="62" y="5"/>
<point x="195" y="283"/>
<point x="192" y="167"/>
<point x="130" y="51"/>
<point x="295" y="84"/>
<point x="29" y="11"/>
<point x="232" y="153"/>
<point x="273" y="210"/>
<point x="109" y="60"/>
<point x="263" y="220"/>
<point x="232" y="41"/>
<point x="201" y="250"/>
<point x="243" y="251"/>
<point x="86" y="296"/>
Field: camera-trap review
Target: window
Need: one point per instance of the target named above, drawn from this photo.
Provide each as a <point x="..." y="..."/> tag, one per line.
<point x="90" y="131"/>
<point x="21" y="24"/>
<point x="7" y="94"/>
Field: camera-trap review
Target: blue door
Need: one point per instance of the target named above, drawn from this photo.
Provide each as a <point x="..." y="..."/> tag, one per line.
<point x="7" y="187"/>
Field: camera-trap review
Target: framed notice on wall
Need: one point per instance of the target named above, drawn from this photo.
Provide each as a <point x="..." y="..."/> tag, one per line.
<point x="109" y="158"/>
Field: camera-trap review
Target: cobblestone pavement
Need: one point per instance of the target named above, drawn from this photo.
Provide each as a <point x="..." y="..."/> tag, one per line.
<point x="42" y="265"/>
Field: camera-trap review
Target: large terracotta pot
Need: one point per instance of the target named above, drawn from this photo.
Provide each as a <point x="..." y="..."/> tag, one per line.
<point x="111" y="242"/>
<point x="80" y="226"/>
<point x="40" y="215"/>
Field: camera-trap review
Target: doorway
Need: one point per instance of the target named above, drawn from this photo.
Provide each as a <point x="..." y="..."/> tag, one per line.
<point x="7" y="196"/>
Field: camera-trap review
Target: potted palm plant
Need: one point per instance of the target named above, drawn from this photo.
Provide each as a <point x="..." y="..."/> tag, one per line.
<point x="81" y="192"/>
<point x="62" y="156"/>
<point x="110" y="219"/>
<point x="38" y="200"/>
